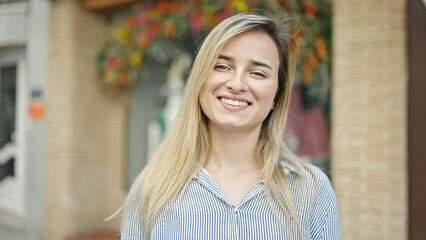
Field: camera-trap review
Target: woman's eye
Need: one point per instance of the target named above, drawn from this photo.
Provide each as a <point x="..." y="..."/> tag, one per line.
<point x="259" y="74"/>
<point x="220" y="67"/>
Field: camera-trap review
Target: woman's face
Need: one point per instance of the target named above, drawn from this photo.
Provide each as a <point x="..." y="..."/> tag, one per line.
<point x="240" y="90"/>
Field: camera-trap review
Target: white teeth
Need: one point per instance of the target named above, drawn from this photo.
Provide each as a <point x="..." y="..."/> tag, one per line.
<point x="233" y="103"/>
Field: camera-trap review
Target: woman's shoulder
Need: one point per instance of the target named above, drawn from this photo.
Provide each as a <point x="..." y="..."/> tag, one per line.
<point x="312" y="189"/>
<point x="323" y="216"/>
<point x="304" y="169"/>
<point x="324" y="187"/>
<point x="316" y="172"/>
<point x="309" y="175"/>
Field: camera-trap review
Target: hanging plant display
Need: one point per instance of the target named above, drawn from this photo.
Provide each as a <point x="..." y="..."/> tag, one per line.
<point x="158" y="28"/>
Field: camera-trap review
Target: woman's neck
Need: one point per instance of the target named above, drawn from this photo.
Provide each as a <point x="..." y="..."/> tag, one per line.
<point x="233" y="152"/>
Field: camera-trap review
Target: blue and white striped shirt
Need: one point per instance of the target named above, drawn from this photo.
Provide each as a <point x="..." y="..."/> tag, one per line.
<point x="204" y="212"/>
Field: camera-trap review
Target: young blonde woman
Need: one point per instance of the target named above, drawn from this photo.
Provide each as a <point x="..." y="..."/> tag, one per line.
<point x="223" y="172"/>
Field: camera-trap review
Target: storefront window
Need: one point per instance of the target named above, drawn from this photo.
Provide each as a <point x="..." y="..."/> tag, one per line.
<point x="7" y="120"/>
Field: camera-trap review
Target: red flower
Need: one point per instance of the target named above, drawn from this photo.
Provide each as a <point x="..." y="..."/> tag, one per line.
<point x="179" y="8"/>
<point x="165" y="7"/>
<point x="133" y="22"/>
<point x="224" y="14"/>
<point x="310" y="8"/>
<point x="153" y="30"/>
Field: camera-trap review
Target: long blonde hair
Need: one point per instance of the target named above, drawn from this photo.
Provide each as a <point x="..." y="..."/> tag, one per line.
<point x="186" y="146"/>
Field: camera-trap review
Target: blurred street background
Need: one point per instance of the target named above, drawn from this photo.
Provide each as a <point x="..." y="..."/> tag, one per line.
<point x="89" y="87"/>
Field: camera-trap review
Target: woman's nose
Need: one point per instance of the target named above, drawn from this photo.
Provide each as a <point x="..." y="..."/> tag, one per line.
<point x="237" y="83"/>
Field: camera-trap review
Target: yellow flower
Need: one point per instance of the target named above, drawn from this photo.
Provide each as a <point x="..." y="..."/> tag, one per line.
<point x="136" y="59"/>
<point x="154" y="14"/>
<point x="239" y="5"/>
<point x="108" y="76"/>
<point x="321" y="47"/>
<point x="170" y="29"/>
<point x="143" y="41"/>
<point x="208" y="15"/>
<point x="307" y="73"/>
<point x="122" y="34"/>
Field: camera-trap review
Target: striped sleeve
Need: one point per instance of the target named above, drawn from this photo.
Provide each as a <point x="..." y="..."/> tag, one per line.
<point x="324" y="220"/>
<point x="331" y="228"/>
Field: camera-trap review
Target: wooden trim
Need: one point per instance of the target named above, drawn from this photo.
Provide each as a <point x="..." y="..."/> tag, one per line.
<point x="101" y="5"/>
<point x="416" y="16"/>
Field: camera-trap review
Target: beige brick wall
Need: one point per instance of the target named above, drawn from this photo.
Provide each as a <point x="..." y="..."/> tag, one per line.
<point x="369" y="118"/>
<point x="86" y="130"/>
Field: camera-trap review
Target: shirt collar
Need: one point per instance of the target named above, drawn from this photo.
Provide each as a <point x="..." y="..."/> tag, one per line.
<point x="288" y="168"/>
<point x="291" y="168"/>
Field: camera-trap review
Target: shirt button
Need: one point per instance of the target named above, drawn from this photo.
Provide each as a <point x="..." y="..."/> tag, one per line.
<point x="235" y="209"/>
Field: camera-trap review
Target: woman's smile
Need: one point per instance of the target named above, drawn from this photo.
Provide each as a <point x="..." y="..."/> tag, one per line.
<point x="233" y="102"/>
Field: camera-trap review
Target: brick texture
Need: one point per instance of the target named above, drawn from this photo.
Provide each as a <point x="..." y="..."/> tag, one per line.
<point x="369" y="111"/>
<point x="86" y="130"/>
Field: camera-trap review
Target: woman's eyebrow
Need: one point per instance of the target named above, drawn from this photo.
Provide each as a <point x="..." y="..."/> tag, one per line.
<point x="224" y="57"/>
<point x="257" y="63"/>
<point x="254" y="62"/>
